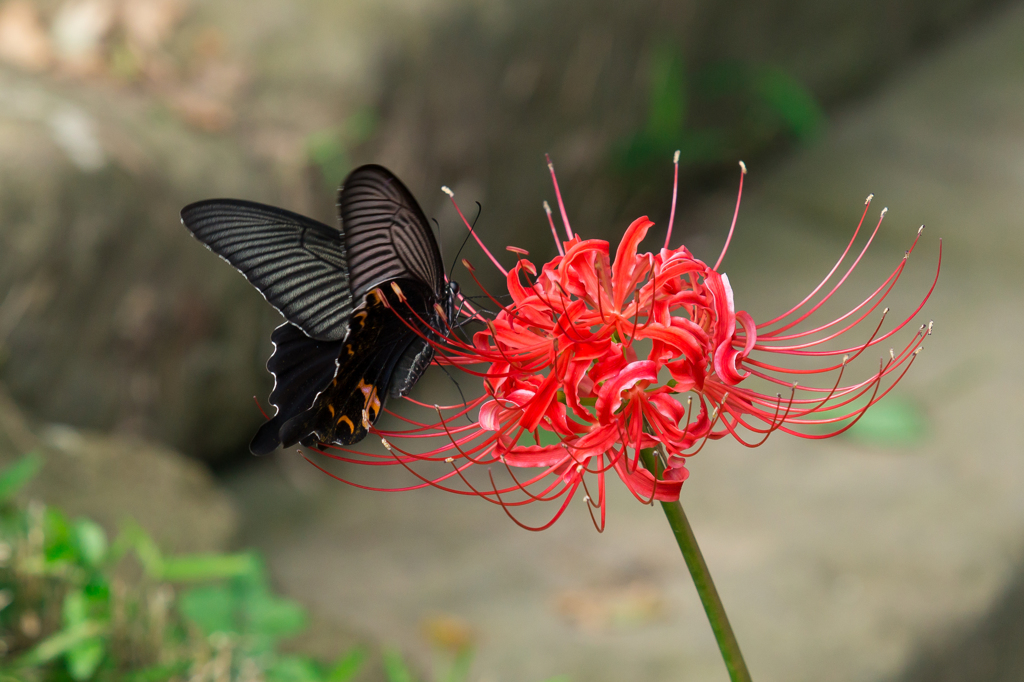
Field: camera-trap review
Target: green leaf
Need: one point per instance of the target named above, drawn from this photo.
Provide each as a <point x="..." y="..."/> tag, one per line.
<point x="666" y="115"/>
<point x="294" y="669"/>
<point x="327" y="152"/>
<point x="91" y="540"/>
<point x="273" y="616"/>
<point x="18" y="474"/>
<point x="791" y="101"/>
<point x="158" y="673"/>
<point x="133" y="536"/>
<point x="85" y="657"/>
<point x="59" y="543"/>
<point x="200" y="567"/>
<point x="360" y="126"/>
<point x="61" y="642"/>
<point x="75" y="610"/>
<point x="348" y="666"/>
<point x="211" y="607"/>
<point x="395" y="668"/>
<point x="894" y="421"/>
<point x="459" y="671"/>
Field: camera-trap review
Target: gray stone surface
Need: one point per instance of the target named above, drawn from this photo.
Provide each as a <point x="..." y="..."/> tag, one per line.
<point x="115" y="479"/>
<point x="837" y="560"/>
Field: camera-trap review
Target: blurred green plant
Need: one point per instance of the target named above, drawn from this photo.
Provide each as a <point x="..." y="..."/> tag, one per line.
<point x="722" y="111"/>
<point x="75" y="607"/>
<point x="896" y="421"/>
<point x="329" y="150"/>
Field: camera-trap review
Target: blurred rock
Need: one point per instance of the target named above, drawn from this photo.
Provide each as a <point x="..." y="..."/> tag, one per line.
<point x="113" y="478"/>
<point x="111" y="315"/>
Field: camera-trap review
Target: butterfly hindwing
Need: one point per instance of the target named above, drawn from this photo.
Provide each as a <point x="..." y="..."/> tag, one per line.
<point x="351" y="402"/>
<point x="298" y="264"/>
<point x="302" y="369"/>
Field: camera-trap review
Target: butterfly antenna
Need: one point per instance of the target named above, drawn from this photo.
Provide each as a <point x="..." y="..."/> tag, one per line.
<point x="480" y="308"/>
<point x="438" y="226"/>
<point x="479" y="210"/>
<point x="465" y="403"/>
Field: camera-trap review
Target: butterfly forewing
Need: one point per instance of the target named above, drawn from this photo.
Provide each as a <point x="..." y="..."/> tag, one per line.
<point x="298" y="264"/>
<point x="386" y="234"/>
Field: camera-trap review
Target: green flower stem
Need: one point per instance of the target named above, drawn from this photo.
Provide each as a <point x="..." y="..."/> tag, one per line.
<point x="727" y="643"/>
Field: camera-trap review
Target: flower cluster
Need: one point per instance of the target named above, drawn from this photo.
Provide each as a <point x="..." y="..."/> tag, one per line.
<point x="597" y="359"/>
<point x="597" y="352"/>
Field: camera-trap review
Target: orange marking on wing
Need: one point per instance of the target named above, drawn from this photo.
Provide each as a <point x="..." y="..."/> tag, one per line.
<point x="370" y="402"/>
<point x="351" y="426"/>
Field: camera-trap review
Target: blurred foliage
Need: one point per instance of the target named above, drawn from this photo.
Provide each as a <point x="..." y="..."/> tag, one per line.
<point x="721" y="112"/>
<point x="329" y="150"/>
<point x="894" y="421"/>
<point x="75" y="608"/>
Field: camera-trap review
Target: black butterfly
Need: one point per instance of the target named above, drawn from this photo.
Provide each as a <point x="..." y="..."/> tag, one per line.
<point x="342" y="351"/>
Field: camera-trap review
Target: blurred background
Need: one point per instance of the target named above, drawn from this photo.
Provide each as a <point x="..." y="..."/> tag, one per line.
<point x="129" y="355"/>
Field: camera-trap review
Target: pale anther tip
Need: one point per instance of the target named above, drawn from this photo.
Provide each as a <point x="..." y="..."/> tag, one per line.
<point x="675" y="157"/>
<point x="868" y="200"/>
<point x="886" y="311"/>
<point x="579" y="468"/>
<point x="892" y="354"/>
<point x="447" y="190"/>
<point x="884" y="211"/>
<point x="385" y="443"/>
<point x="449" y="459"/>
<point x="920" y="229"/>
<point x="846" y="358"/>
<point x="919" y="349"/>
<point x="586" y="498"/>
<point x="547" y="208"/>
<point x="743" y="167"/>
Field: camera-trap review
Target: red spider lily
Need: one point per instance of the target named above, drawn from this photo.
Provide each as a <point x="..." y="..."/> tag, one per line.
<point x="595" y="359"/>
